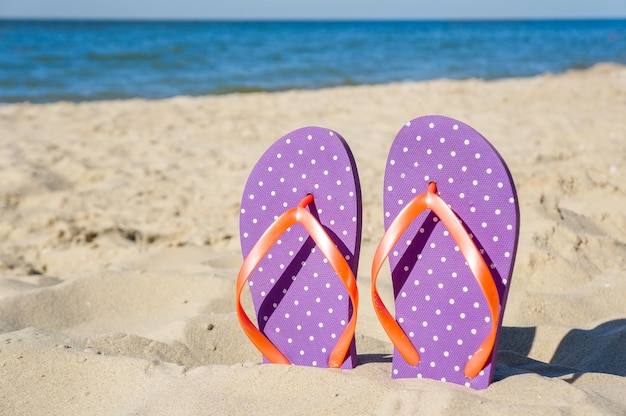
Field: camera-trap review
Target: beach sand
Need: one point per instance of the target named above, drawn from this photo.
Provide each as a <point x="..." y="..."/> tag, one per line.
<point x="119" y="249"/>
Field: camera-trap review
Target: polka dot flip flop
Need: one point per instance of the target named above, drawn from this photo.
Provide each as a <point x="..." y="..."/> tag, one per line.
<point x="452" y="225"/>
<point x="300" y="229"/>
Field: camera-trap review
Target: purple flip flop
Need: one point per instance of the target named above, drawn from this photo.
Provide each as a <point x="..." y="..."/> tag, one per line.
<point x="452" y="225"/>
<point x="300" y="231"/>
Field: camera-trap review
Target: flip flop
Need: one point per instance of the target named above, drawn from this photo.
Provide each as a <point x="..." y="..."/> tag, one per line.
<point x="300" y="231"/>
<point x="452" y="222"/>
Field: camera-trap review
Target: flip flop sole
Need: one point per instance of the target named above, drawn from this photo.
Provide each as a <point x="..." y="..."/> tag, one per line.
<point x="438" y="302"/>
<point x="300" y="303"/>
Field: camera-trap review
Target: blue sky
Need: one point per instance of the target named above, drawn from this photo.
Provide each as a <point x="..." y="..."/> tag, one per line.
<point x="324" y="9"/>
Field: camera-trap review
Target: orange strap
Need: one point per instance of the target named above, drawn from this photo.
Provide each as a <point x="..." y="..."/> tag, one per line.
<point x="300" y="215"/>
<point x="432" y="201"/>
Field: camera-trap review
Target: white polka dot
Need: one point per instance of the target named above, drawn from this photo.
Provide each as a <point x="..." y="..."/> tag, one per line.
<point x="440" y="166"/>
<point x="278" y="155"/>
<point x="427" y="298"/>
<point x="500" y="184"/>
<point x="431" y="125"/>
<point x="486" y="197"/>
<point x="429" y="151"/>
<point x="476" y="305"/>
<point x="459" y="341"/>
<point x="489" y="171"/>
<point x="462" y="315"/>
<point x="451" y="301"/>
<point x="424" y="324"/>
<point x="466" y="142"/>
<point x="442" y="140"/>
<point x="406" y="149"/>
<point x="450" y="180"/>
<point x="438" y="312"/>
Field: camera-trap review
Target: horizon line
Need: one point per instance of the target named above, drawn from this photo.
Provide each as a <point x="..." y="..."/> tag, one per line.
<point x="307" y="19"/>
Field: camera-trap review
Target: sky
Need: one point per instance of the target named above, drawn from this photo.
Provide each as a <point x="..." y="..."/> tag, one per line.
<point x="317" y="9"/>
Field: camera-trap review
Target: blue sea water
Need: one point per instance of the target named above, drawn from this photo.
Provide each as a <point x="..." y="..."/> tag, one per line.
<point x="44" y="61"/>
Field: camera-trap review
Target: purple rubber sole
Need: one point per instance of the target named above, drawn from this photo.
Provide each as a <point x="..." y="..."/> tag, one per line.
<point x="438" y="302"/>
<point x="300" y="303"/>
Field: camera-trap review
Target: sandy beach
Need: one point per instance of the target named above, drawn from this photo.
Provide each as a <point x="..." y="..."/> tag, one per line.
<point x="119" y="250"/>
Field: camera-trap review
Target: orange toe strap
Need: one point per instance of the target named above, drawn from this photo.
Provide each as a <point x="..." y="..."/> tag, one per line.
<point x="432" y="201"/>
<point x="290" y="217"/>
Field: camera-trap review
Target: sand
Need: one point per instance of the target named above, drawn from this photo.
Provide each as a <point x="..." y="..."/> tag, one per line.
<point x="119" y="249"/>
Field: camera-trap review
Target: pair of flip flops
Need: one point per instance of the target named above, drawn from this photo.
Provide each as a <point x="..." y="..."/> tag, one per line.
<point x="451" y="228"/>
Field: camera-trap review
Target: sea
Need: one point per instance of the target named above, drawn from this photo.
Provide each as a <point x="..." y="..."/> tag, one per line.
<point x="47" y="61"/>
